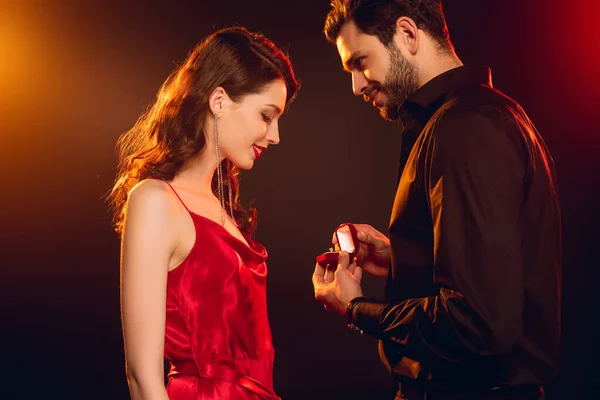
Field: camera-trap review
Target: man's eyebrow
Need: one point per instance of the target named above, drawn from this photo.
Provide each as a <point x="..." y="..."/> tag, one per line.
<point x="350" y="62"/>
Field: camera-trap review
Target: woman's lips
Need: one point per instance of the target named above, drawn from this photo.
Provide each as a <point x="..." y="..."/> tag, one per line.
<point x="256" y="149"/>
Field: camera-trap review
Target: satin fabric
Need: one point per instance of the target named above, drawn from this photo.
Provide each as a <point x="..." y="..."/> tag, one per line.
<point x="217" y="336"/>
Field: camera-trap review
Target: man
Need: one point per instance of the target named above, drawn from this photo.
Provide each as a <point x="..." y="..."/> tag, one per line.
<point x="472" y="302"/>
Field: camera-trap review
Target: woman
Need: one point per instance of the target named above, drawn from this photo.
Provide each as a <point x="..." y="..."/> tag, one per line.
<point x="193" y="280"/>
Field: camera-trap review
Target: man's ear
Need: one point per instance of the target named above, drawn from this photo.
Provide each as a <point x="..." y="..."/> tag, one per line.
<point x="407" y="36"/>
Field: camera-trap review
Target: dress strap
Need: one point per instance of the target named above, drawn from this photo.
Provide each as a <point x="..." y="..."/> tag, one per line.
<point x="176" y="194"/>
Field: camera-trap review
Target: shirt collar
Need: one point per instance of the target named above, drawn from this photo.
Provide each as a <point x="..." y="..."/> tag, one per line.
<point x="443" y="87"/>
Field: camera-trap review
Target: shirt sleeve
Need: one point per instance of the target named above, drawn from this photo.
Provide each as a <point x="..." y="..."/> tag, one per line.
<point x="473" y="174"/>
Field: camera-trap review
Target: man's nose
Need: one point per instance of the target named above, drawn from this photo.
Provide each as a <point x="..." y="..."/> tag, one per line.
<point x="359" y="83"/>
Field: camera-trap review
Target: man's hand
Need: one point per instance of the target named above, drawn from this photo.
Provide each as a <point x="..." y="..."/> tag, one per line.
<point x="374" y="255"/>
<point x="336" y="288"/>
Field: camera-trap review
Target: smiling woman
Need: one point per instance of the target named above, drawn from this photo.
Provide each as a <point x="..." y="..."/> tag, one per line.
<point x="193" y="280"/>
<point x="251" y="125"/>
<point x="169" y="136"/>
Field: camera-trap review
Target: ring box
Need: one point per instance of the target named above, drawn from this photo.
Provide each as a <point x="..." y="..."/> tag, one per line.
<point x="347" y="238"/>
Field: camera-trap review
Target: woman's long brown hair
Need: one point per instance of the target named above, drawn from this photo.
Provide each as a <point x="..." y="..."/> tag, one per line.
<point x="170" y="132"/>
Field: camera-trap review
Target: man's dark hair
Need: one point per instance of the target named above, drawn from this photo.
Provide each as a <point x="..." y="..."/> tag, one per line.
<point x="378" y="18"/>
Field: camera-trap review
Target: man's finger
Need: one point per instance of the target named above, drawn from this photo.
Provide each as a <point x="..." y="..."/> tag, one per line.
<point x="343" y="261"/>
<point x="319" y="274"/>
<point x="357" y="273"/>
<point x="328" y="278"/>
<point x="364" y="237"/>
<point x="368" y="239"/>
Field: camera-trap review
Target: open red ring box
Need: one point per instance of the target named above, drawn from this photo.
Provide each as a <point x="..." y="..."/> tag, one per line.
<point x="347" y="237"/>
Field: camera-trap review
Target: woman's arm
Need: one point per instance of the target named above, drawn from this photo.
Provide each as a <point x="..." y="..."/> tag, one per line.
<point x="149" y="239"/>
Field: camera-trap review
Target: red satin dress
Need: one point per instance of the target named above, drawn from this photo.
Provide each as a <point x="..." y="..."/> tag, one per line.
<point x="217" y="336"/>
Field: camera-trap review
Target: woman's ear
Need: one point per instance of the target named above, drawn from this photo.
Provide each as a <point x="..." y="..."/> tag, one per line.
<point x="218" y="100"/>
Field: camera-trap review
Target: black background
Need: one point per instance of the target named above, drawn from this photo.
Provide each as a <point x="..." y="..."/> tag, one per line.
<point x="74" y="75"/>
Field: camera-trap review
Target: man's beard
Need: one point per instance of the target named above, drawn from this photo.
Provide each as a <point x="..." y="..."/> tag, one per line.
<point x="401" y="82"/>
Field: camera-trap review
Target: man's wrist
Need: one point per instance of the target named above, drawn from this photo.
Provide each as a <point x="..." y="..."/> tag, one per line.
<point x="364" y="315"/>
<point x="350" y="306"/>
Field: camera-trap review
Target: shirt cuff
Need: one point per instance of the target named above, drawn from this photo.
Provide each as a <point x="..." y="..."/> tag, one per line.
<point x="366" y="316"/>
